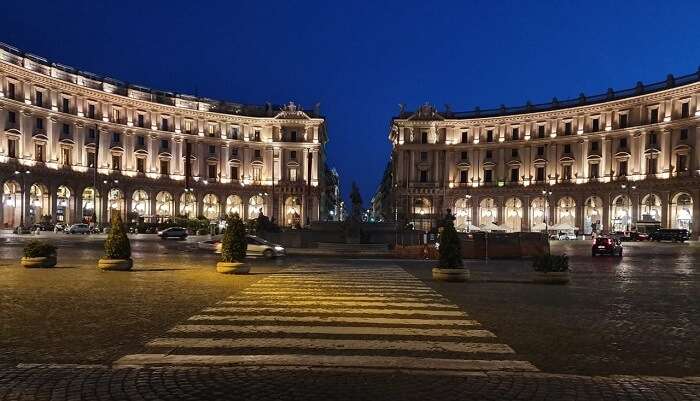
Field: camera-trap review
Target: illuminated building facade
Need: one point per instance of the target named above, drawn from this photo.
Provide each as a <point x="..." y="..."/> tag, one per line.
<point x="78" y="147"/>
<point x="609" y="162"/>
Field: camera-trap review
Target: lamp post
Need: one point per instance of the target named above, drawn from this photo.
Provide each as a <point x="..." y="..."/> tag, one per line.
<point x="629" y="189"/>
<point x="468" y="199"/>
<point x="547" y="195"/>
<point x="106" y="192"/>
<point x="21" y="175"/>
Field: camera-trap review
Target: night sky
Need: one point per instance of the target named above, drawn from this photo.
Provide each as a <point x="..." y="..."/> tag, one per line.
<point x="361" y="59"/>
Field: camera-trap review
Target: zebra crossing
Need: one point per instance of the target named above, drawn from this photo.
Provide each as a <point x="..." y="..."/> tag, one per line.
<point x="338" y="317"/>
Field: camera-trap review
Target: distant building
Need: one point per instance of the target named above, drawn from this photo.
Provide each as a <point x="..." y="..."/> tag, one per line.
<point x="382" y="201"/>
<point x="602" y="162"/>
<point x="331" y="200"/>
<point x="78" y="147"/>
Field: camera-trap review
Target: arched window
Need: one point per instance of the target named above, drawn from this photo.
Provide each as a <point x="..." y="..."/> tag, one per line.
<point x="64" y="204"/>
<point x="292" y="211"/>
<point x="566" y="211"/>
<point x="682" y="211"/>
<point x="650" y="208"/>
<point x="488" y="212"/>
<point x="188" y="205"/>
<point x="539" y="214"/>
<point x="592" y="215"/>
<point x="463" y="214"/>
<point x="39" y="204"/>
<point x="91" y="205"/>
<point x="11" y="204"/>
<point x="256" y="205"/>
<point x="164" y="204"/>
<point x="234" y="205"/>
<point x="115" y="202"/>
<point x="513" y="214"/>
<point x="621" y="213"/>
<point x="211" y="207"/>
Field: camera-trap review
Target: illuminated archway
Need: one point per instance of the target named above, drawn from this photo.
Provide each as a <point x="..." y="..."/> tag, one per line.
<point x="64" y="204"/>
<point x="566" y="211"/>
<point x="256" y="205"/>
<point x="650" y="208"/>
<point x="488" y="211"/>
<point x="165" y="204"/>
<point x="682" y="211"/>
<point x="39" y="204"/>
<point x="592" y="215"/>
<point x="91" y="204"/>
<point x="11" y="204"/>
<point x="463" y="214"/>
<point x="621" y="213"/>
<point x="234" y="205"/>
<point x="292" y="211"/>
<point x="188" y="205"/>
<point x="211" y="207"/>
<point x="116" y="203"/>
<point x="140" y="203"/>
<point x="539" y="214"/>
<point x="513" y="215"/>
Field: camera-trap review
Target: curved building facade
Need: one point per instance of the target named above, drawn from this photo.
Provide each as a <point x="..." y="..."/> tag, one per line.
<point x="613" y="162"/>
<point x="78" y="147"/>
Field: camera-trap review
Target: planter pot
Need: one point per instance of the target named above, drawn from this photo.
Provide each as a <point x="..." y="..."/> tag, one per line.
<point x="232" y="268"/>
<point x="115" y="264"/>
<point x="550" y="277"/>
<point x="42" y="261"/>
<point x="459" y="274"/>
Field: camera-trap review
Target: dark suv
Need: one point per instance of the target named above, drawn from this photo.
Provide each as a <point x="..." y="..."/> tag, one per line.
<point x="606" y="246"/>
<point x="670" y="234"/>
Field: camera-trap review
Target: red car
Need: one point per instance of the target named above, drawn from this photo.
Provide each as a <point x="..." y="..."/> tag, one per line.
<point x="606" y="246"/>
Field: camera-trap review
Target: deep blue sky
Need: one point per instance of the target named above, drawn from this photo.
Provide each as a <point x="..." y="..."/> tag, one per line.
<point x="361" y="59"/>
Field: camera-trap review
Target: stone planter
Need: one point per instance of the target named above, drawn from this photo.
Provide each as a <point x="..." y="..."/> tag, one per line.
<point x="232" y="268"/>
<point x="550" y="277"/>
<point x="459" y="274"/>
<point x="115" y="264"/>
<point x="41" y="261"/>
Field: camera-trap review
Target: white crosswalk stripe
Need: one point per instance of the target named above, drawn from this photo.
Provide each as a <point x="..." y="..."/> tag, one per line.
<point x="334" y="316"/>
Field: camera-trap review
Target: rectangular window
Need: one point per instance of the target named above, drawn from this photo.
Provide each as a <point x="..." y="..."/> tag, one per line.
<point x="164" y="144"/>
<point x="622" y="168"/>
<point x="424" y="137"/>
<point x="567" y="173"/>
<point x="539" y="175"/>
<point x="293" y="155"/>
<point x="211" y="172"/>
<point x="91" y="158"/>
<point x="515" y="132"/>
<point x="488" y="176"/>
<point x="540" y="151"/>
<point x="188" y="126"/>
<point x="463" y="176"/>
<point x="594" y="145"/>
<point x="514" y="153"/>
<point x="257" y="153"/>
<point x="489" y="154"/>
<point x="91" y="110"/>
<point x="257" y="174"/>
<point x="164" y="125"/>
<point x="188" y="148"/>
<point x="115" y="115"/>
<point x="567" y="128"/>
<point x="540" y="131"/>
<point x="116" y="137"/>
<point x="623" y="143"/>
<point x="140" y="120"/>
<point x="256" y="136"/>
<point x="593" y="170"/>
<point x="654" y="116"/>
<point x="465" y="136"/>
<point x="423" y="176"/>
<point x="11" y="90"/>
<point x="424" y="156"/>
<point x="140" y="165"/>
<point x="234" y="173"/>
<point x="684" y="134"/>
<point x="234" y="152"/>
<point x="12" y="148"/>
<point x="514" y="174"/>
<point x="595" y="125"/>
<point x="11" y="117"/>
<point x="66" y="105"/>
<point x="464" y="156"/>
<point x="39" y="99"/>
<point x="164" y="167"/>
<point x="141" y="140"/>
<point x="652" y="138"/>
<point x="293" y="136"/>
<point x="489" y="136"/>
<point x="212" y="149"/>
<point x="567" y="148"/>
<point x="681" y="163"/>
<point x="292" y="174"/>
<point x="65" y="156"/>
<point x="685" y="110"/>
<point x="116" y="162"/>
<point x="212" y="129"/>
<point x="623" y="120"/>
<point x="39" y="123"/>
<point x="39" y="152"/>
<point x="65" y="129"/>
<point x="651" y="165"/>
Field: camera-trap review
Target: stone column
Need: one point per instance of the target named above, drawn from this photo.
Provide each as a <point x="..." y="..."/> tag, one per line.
<point x="583" y="155"/>
<point x="606" y="211"/>
<point x="525" y="221"/>
<point x="53" y="201"/>
<point x="666" y="150"/>
<point x="696" y="215"/>
<point x="666" y="208"/>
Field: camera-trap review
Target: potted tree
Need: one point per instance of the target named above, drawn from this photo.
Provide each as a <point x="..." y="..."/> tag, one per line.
<point x="551" y="269"/>
<point x="38" y="254"/>
<point x="233" y="248"/>
<point x="451" y="267"/>
<point x="117" y="248"/>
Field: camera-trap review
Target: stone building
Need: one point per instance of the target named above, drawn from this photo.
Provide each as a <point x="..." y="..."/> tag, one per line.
<point x="611" y="162"/>
<point x="77" y="147"/>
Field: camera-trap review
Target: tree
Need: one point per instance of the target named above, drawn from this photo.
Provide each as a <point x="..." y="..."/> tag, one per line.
<point x="356" y="200"/>
<point x="233" y="245"/>
<point x="450" y="250"/>
<point x="117" y="244"/>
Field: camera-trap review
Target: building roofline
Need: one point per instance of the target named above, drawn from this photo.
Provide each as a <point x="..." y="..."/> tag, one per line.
<point x="582" y="100"/>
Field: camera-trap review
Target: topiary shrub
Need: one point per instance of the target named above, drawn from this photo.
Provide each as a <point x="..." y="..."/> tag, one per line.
<point x="38" y="249"/>
<point x="450" y="250"/>
<point x="117" y="244"/>
<point x="549" y="263"/>
<point x="234" y="244"/>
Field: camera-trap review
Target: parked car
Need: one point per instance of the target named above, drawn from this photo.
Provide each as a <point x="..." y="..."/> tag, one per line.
<point x="79" y="228"/>
<point x="606" y="246"/>
<point x="566" y="235"/>
<point x="256" y="247"/>
<point x="42" y="227"/>
<point x="670" y="234"/>
<point x="173" y="232"/>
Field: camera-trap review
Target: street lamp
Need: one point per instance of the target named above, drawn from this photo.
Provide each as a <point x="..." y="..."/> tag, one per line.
<point x="469" y="214"/>
<point x="547" y="194"/>
<point x="21" y="176"/>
